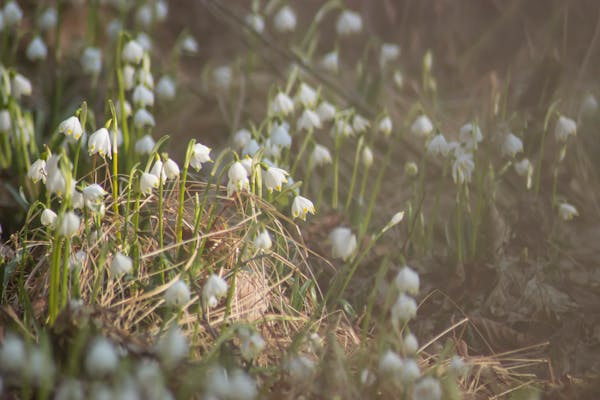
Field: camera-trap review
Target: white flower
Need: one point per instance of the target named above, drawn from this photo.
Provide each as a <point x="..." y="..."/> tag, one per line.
<point x="120" y="265"/>
<point x="172" y="348"/>
<point x="427" y="388"/>
<point x="161" y="10"/>
<point x="91" y="60"/>
<point x="223" y="76"/>
<point x="251" y="148"/>
<point x="326" y="111"/>
<point x="360" y="123"/>
<point x="523" y="167"/>
<point x="438" y="146"/>
<point x="567" y="211"/>
<point x="512" y="145"/>
<point x="113" y="28"/>
<point x="101" y="358"/>
<point x="407" y="280"/>
<point x="142" y="96"/>
<point x="76" y="261"/>
<point x="214" y="288"/>
<point x="411" y="168"/>
<point x="177" y="295"/>
<point x="256" y="22"/>
<point x="343" y="243"/>
<point x="144" y="40"/>
<point x="238" y="178"/>
<point x="391" y="364"/>
<point x="458" y="365"/>
<point x="99" y="142"/>
<point x="69" y="224"/>
<point x="70" y="389"/>
<point x="77" y="200"/>
<point x="320" y="155"/>
<point x="235" y="384"/>
<point x="128" y="77"/>
<point x="93" y="194"/>
<point x="462" y="168"/>
<point x="410" y="345"/>
<point x="251" y="344"/>
<point x="241" y="138"/>
<point x="158" y="171"/>
<point x="200" y="155"/>
<point x="5" y="121"/>
<point x="71" y="127"/>
<point x="399" y="79"/>
<point x="589" y="105"/>
<point x="300" y="368"/>
<point x="132" y="52"/>
<point x="171" y="169"/>
<point x="349" y="22"/>
<point x="40" y="366"/>
<point x="48" y="217"/>
<point x="144" y="76"/>
<point x="189" y="45"/>
<point x="144" y="145"/>
<point x="12" y="354"/>
<point x="20" y="86"/>
<point x="37" y="171"/>
<point x="55" y="181"/>
<point x="165" y="89"/>
<point x="143" y="16"/>
<point x="302" y="206"/>
<point x="404" y="309"/>
<point x="12" y="13"/>
<point x="422" y="126"/>
<point x="148" y="182"/>
<point x="282" y="104"/>
<point x="389" y="52"/>
<point x="285" y="20"/>
<point x="330" y="62"/>
<point x="395" y="220"/>
<point x="263" y="240"/>
<point x="36" y="50"/>
<point x="275" y="178"/>
<point x="385" y="125"/>
<point x="280" y="135"/>
<point x="470" y="136"/>
<point x="48" y="19"/>
<point x="367" y="156"/>
<point x="306" y="95"/>
<point x="411" y="371"/>
<point x="565" y="127"/>
<point x="308" y="120"/>
<point x="143" y="118"/>
<point x="367" y="378"/>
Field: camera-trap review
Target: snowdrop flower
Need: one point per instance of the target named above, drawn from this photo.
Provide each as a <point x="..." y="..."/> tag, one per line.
<point x="512" y="145"/>
<point x="171" y="169"/>
<point x="36" y="50"/>
<point x="280" y="135"/>
<point x="69" y="224"/>
<point x="300" y="368"/>
<point x="410" y="345"/>
<point x="231" y="385"/>
<point x="120" y="265"/>
<point x="242" y="137"/>
<point x="306" y="95"/>
<point x="438" y="146"/>
<point x="48" y="217"/>
<point x="20" y="86"/>
<point x="422" y="126"/>
<point x="462" y="168"/>
<point x="144" y="77"/>
<point x="389" y="52"/>
<point x="142" y="96"/>
<point x="411" y="168"/>
<point x="348" y="23"/>
<point x="263" y="241"/>
<point x="565" y="127"/>
<point x="470" y="135"/>
<point x="5" y="121"/>
<point x="285" y="20"/>
<point x="91" y="60"/>
<point x="161" y="10"/>
<point x="40" y="366"/>
<point x="427" y="388"/>
<point x="37" y="171"/>
<point x="177" y="295"/>
<point x="77" y="200"/>
<point x="251" y="148"/>
<point x="404" y="309"/>
<point x="172" y="348"/>
<point x="360" y="123"/>
<point x="308" y="120"/>
<point x="200" y="155"/>
<point x="148" y="182"/>
<point x="385" y="125"/>
<point x="251" y="344"/>
<point x="458" y="365"/>
<point x="99" y="143"/>
<point x="132" y="52"/>
<point x="567" y="211"/>
<point x="12" y="13"/>
<point x="55" y="181"/>
<point x="411" y="371"/>
<point x="275" y="178"/>
<point x="12" y="354"/>
<point x="320" y="155"/>
<point x="343" y="128"/>
<point x="144" y="145"/>
<point x="330" y="62"/>
<point x="128" y="77"/>
<point x="165" y="89"/>
<point x="523" y="167"/>
<point x="367" y="156"/>
<point x="144" y="40"/>
<point x="48" y="19"/>
<point x="326" y="111"/>
<point x="238" y="178"/>
<point x="399" y="79"/>
<point x="343" y="243"/>
<point x="391" y="364"/>
<point x="114" y="28"/>
<point x="71" y="127"/>
<point x="256" y="22"/>
<point x="189" y="45"/>
<point x="70" y="389"/>
<point x="223" y="76"/>
<point x="143" y="16"/>
<point x="367" y="378"/>
<point x="302" y="206"/>
<point x="94" y="193"/>
<point x="589" y="105"/>
<point x="282" y="104"/>
<point x="101" y="358"/>
<point x="407" y="281"/>
<point x="214" y="288"/>
<point x="143" y="118"/>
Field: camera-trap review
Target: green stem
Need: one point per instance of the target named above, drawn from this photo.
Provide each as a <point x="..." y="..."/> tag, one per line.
<point x="303" y="147"/>
<point x="359" y="147"/>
